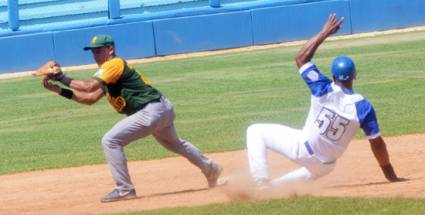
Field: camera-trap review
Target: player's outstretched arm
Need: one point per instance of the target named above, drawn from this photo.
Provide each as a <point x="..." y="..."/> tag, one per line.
<point x="89" y="86"/>
<point x="87" y="98"/>
<point x="379" y="149"/>
<point x="78" y="96"/>
<point x="306" y="53"/>
<point x="53" y="70"/>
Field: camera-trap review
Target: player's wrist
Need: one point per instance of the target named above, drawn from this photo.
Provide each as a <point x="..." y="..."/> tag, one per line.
<point x="63" y="79"/>
<point x="66" y="93"/>
<point x="324" y="34"/>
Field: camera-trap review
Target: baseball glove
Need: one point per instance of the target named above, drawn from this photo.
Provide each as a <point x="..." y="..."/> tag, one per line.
<point x="50" y="67"/>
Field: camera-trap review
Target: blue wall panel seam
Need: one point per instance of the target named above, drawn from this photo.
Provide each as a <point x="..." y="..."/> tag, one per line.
<point x="154" y="39"/>
<point x="349" y="13"/>
<point x="54" y="46"/>
<point x="251" y="27"/>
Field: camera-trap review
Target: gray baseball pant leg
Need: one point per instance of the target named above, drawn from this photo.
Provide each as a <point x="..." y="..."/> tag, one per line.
<point x="156" y="119"/>
<point x="167" y="136"/>
<point x="136" y="126"/>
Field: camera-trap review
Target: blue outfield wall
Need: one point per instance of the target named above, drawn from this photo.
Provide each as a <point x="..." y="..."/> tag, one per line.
<point x="207" y="29"/>
<point x="134" y="40"/>
<point x="200" y="33"/>
<point x="25" y="52"/>
<point x="376" y="15"/>
<point x="295" y="22"/>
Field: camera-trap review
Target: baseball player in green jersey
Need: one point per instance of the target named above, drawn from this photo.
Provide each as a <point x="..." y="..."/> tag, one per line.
<point x="149" y="113"/>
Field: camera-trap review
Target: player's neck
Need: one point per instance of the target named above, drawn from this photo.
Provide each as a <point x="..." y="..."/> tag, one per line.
<point x="108" y="58"/>
<point x="345" y="84"/>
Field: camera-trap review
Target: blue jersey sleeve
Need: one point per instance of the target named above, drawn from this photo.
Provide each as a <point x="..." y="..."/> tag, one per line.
<point x="367" y="119"/>
<point x="318" y="84"/>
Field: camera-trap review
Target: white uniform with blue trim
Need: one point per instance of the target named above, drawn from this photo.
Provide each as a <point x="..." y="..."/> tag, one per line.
<point x="334" y="118"/>
<point x="335" y="115"/>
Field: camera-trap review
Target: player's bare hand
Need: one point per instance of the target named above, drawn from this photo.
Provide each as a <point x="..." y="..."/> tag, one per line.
<point x="332" y="25"/>
<point x="50" y="86"/>
<point x="390" y="175"/>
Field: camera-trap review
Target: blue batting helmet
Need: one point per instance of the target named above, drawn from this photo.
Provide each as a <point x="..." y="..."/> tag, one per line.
<point x="343" y="68"/>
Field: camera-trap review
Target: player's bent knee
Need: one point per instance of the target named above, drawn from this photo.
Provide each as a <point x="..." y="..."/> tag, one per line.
<point x="253" y="129"/>
<point x="106" y="141"/>
<point x="109" y="142"/>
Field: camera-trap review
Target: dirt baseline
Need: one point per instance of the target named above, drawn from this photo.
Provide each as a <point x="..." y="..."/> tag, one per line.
<point x="174" y="182"/>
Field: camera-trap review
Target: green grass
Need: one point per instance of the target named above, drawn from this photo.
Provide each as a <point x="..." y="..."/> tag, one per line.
<point x="215" y="97"/>
<point x="303" y="205"/>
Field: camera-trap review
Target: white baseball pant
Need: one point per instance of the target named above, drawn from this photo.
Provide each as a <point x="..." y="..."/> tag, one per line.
<point x="287" y="142"/>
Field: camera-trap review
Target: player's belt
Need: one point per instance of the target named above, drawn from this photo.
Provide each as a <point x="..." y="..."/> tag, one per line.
<point x="308" y="147"/>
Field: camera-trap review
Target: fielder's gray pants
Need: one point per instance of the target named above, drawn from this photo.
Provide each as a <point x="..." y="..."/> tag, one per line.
<point x="156" y="119"/>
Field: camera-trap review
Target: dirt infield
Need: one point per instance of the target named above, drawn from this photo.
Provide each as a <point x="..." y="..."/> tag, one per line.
<point x="174" y="182"/>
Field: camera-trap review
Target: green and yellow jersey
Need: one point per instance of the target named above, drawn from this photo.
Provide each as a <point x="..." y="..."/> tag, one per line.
<point x="127" y="90"/>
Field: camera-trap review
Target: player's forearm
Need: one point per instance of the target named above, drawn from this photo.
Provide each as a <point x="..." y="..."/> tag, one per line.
<point x="331" y="26"/>
<point x="307" y="52"/>
<point x="82" y="97"/>
<point x="87" y="98"/>
<point x="90" y="85"/>
<point x="85" y="85"/>
<point x="381" y="154"/>
<point x="379" y="150"/>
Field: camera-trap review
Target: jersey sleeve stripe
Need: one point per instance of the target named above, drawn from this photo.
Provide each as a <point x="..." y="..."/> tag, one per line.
<point x="318" y="83"/>
<point x="305" y="67"/>
<point x="371" y="137"/>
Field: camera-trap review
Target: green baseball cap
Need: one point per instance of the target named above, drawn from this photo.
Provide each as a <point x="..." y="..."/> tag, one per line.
<point x="100" y="41"/>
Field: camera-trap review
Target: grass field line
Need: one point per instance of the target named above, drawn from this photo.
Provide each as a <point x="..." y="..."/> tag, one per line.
<point x="223" y="51"/>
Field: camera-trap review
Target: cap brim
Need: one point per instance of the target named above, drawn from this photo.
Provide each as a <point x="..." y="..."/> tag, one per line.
<point x="92" y="47"/>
